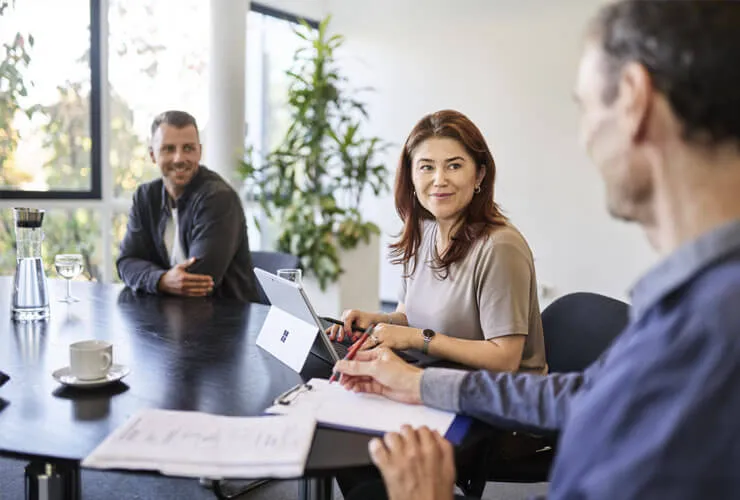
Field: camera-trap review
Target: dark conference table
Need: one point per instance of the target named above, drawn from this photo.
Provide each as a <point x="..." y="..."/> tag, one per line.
<point x="184" y="354"/>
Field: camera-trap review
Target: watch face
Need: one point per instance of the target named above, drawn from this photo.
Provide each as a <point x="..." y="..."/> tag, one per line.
<point x="428" y="334"/>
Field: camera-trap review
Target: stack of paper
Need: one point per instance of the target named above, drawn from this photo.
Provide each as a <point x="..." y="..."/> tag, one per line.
<point x="203" y="445"/>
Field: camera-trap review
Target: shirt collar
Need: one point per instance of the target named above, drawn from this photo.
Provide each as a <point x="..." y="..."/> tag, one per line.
<point x="683" y="265"/>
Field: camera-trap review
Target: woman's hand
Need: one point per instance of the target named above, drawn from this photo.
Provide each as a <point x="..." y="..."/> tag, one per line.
<point x="351" y="317"/>
<point x="394" y="337"/>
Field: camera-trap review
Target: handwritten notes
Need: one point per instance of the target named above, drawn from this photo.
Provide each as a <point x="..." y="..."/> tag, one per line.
<point x="200" y="444"/>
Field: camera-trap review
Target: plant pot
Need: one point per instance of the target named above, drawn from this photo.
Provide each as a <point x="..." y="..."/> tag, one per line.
<point x="358" y="286"/>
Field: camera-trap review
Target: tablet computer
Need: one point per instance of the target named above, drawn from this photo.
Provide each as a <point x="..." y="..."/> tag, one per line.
<point x="290" y="297"/>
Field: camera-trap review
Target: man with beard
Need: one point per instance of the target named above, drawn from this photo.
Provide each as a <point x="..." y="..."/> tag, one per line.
<point x="186" y="232"/>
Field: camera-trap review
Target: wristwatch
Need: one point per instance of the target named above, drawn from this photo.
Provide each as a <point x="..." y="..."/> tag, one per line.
<point x="428" y="336"/>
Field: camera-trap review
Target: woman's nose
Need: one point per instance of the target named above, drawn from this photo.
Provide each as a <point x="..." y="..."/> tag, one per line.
<point x="440" y="177"/>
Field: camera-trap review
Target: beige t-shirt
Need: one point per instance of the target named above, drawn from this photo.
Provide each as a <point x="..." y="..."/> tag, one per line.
<point x="491" y="293"/>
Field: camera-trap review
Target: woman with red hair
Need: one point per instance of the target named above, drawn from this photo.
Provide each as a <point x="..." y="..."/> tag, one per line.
<point x="469" y="291"/>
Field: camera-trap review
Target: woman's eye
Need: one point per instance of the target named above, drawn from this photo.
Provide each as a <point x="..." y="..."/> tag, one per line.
<point x="425" y="167"/>
<point x="454" y="166"/>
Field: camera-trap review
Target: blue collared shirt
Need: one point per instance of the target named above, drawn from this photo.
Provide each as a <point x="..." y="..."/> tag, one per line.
<point x="658" y="416"/>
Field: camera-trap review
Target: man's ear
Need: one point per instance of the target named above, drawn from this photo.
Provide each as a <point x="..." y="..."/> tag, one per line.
<point x="151" y="155"/>
<point x="635" y="98"/>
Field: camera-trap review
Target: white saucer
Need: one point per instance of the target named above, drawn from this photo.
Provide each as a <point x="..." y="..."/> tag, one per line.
<point x="116" y="373"/>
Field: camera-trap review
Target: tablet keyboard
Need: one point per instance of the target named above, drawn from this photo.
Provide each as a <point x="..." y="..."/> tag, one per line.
<point x="342" y="349"/>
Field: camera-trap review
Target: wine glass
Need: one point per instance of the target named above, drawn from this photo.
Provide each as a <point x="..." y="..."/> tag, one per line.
<point x="68" y="266"/>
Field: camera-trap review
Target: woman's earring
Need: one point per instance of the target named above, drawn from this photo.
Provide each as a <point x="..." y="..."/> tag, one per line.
<point x="476" y="190"/>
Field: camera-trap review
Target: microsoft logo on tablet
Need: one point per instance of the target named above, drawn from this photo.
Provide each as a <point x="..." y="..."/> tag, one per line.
<point x="285" y="336"/>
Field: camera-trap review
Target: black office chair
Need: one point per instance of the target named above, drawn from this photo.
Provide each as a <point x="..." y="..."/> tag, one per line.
<point x="578" y="328"/>
<point x="271" y="262"/>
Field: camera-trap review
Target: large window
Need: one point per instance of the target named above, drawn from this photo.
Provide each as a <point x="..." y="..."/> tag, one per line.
<point x="157" y="53"/>
<point x="155" y="58"/>
<point x="271" y="45"/>
<point x="154" y="65"/>
<point x="47" y="145"/>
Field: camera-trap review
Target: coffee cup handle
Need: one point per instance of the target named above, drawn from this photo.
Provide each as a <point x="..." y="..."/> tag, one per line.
<point x="107" y="361"/>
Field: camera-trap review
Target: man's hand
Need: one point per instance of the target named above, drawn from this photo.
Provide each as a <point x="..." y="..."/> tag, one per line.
<point x="177" y="281"/>
<point x="415" y="464"/>
<point x="379" y="371"/>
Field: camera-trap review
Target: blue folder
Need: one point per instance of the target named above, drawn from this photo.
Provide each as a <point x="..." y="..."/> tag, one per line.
<point x="455" y="434"/>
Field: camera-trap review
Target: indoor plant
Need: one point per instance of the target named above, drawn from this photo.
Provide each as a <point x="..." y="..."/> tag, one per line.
<point x="312" y="184"/>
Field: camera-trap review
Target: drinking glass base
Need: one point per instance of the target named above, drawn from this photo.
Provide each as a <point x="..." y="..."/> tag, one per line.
<point x="69" y="300"/>
<point x="31" y="313"/>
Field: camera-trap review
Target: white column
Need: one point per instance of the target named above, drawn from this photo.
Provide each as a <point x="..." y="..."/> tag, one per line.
<point x="106" y="210"/>
<point x="224" y="134"/>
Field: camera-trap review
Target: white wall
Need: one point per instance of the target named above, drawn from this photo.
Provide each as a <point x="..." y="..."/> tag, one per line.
<point x="510" y="66"/>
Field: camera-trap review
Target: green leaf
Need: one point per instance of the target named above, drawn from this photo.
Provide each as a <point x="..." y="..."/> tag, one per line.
<point x="312" y="183"/>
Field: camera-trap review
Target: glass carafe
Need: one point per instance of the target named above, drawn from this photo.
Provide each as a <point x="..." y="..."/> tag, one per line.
<point x="30" y="294"/>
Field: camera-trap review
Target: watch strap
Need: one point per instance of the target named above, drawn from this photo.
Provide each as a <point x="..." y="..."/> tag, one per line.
<point x="427" y="335"/>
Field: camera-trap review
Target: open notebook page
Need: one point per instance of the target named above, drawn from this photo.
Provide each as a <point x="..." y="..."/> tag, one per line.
<point x="333" y="405"/>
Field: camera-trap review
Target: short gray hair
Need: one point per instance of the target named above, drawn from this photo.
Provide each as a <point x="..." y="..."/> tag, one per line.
<point x="178" y="119"/>
<point x="691" y="50"/>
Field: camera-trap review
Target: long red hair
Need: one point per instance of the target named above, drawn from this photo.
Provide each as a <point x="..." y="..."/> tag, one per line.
<point x="480" y="215"/>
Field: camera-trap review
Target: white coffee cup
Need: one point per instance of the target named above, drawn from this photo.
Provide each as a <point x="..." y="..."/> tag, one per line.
<point x="90" y="359"/>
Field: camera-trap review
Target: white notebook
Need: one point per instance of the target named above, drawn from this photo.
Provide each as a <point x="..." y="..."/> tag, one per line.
<point x="203" y="445"/>
<point x="335" y="406"/>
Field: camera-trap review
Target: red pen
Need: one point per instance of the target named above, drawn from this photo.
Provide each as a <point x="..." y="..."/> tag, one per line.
<point x="353" y="350"/>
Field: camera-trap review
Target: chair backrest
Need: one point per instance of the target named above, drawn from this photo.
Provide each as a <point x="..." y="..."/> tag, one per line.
<point x="271" y="262"/>
<point x="579" y="327"/>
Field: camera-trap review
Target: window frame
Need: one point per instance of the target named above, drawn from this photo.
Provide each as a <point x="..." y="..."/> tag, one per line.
<point x="266" y="10"/>
<point x="96" y="152"/>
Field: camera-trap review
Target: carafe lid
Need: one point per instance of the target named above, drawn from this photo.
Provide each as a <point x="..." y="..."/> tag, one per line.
<point x="28" y="217"/>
